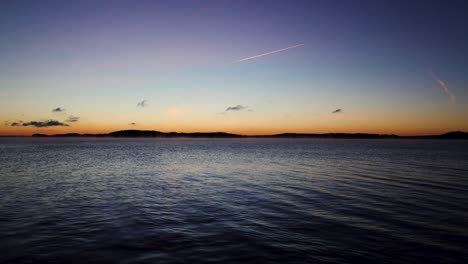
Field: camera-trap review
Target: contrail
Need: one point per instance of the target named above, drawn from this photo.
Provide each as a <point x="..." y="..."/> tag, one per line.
<point x="447" y="91"/>
<point x="268" y="53"/>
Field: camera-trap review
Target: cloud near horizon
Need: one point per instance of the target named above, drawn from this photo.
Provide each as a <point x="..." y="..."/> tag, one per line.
<point x="132" y="124"/>
<point x="142" y="103"/>
<point x="71" y="119"/>
<point x="47" y="123"/>
<point x="236" y="108"/>
<point x="58" y="110"/>
<point x="338" y="111"/>
<point x="13" y="124"/>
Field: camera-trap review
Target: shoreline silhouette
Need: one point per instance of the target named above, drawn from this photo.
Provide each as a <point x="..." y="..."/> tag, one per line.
<point x="158" y="134"/>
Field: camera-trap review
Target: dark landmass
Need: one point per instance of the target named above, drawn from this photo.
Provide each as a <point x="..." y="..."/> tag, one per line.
<point x="158" y="134"/>
<point x="151" y="133"/>
<point x="329" y="135"/>
<point x="147" y="133"/>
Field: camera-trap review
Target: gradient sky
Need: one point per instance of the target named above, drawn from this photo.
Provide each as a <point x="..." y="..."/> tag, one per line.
<point x="391" y="66"/>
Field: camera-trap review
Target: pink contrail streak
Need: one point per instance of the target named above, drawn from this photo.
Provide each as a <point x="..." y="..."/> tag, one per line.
<point x="447" y="91"/>
<point x="268" y="53"/>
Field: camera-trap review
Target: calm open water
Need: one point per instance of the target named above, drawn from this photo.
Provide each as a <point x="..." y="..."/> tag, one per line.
<point x="230" y="201"/>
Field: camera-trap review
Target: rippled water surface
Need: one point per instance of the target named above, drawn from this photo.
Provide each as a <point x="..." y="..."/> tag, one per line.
<point x="231" y="201"/>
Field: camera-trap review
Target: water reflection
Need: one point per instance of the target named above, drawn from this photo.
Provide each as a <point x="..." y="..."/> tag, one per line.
<point x="239" y="200"/>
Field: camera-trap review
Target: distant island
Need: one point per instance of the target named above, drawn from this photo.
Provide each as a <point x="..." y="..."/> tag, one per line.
<point x="158" y="134"/>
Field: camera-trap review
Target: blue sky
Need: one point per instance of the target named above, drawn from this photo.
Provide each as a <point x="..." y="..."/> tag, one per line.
<point x="98" y="59"/>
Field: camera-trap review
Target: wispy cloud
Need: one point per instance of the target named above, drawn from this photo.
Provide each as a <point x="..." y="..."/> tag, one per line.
<point x="338" y="111"/>
<point x="236" y="108"/>
<point x="14" y="124"/>
<point x="444" y="86"/>
<point x="58" y="110"/>
<point x="268" y="53"/>
<point x="142" y="103"/>
<point x="72" y="119"/>
<point x="47" y="123"/>
<point x="132" y="124"/>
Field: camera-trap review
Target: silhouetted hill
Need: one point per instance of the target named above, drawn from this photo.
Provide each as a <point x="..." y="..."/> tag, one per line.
<point x="449" y="135"/>
<point x="151" y="133"/>
<point x="158" y="134"/>
<point x="68" y="135"/>
<point x="39" y="135"/>
<point x="135" y="133"/>
<point x="455" y="135"/>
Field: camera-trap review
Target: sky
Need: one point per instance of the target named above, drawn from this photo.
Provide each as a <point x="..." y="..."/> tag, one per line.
<point x="246" y="67"/>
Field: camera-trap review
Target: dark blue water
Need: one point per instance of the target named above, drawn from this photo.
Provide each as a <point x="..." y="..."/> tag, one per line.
<point x="233" y="201"/>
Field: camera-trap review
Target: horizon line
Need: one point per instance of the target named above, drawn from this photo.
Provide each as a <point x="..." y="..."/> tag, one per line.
<point x="234" y="134"/>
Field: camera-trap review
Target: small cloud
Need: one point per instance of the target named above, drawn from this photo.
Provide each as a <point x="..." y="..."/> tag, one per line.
<point x="142" y="103"/>
<point x="48" y="123"/>
<point x="236" y="108"/>
<point x="338" y="111"/>
<point x="132" y="124"/>
<point x="14" y="124"/>
<point x="72" y="119"/>
<point x="58" y="110"/>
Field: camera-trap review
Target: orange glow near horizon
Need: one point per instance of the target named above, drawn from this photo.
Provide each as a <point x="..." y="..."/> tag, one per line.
<point x="360" y="127"/>
<point x="401" y="121"/>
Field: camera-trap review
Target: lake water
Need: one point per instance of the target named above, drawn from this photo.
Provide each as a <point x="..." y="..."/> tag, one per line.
<point x="84" y="200"/>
